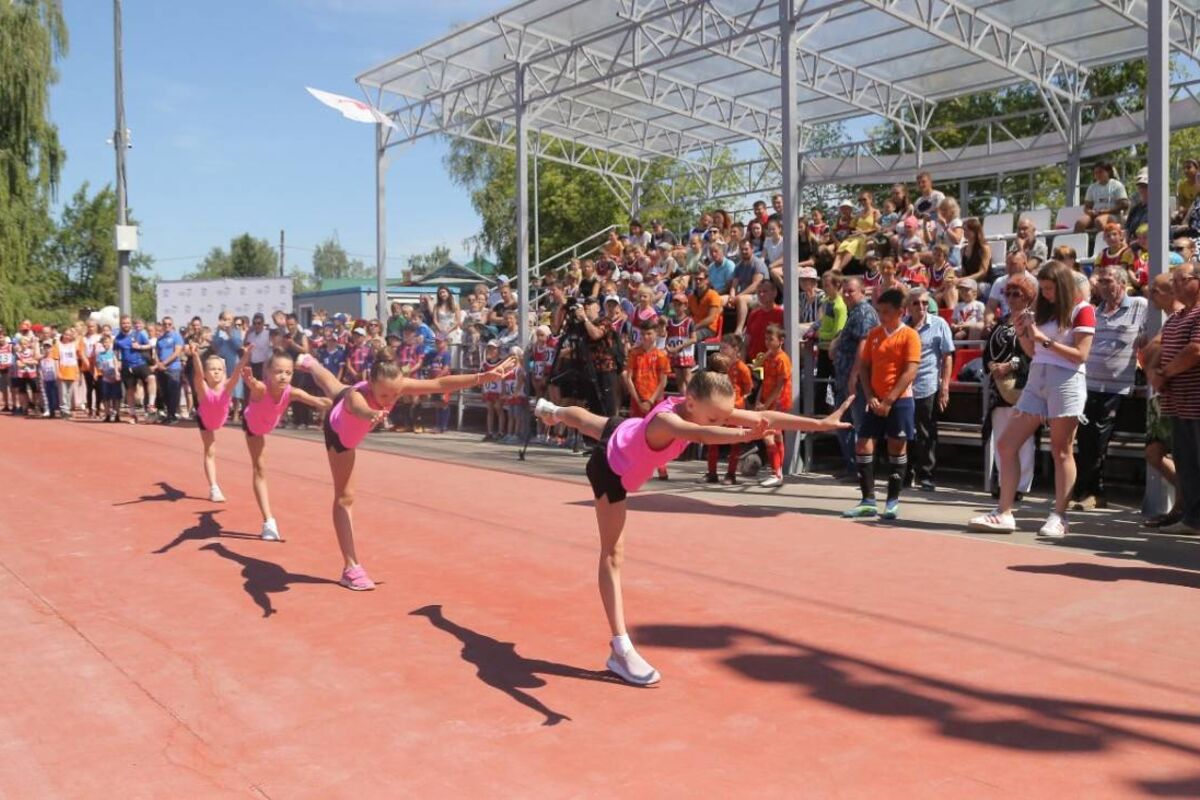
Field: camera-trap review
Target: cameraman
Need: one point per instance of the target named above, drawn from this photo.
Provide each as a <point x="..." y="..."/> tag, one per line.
<point x="605" y="350"/>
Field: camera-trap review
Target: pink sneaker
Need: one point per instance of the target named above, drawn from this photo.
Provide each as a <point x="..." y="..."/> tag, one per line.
<point x="356" y="578"/>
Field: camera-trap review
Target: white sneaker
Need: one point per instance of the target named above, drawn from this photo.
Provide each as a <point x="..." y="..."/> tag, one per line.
<point x="270" y="531"/>
<point x="994" y="522"/>
<point x="544" y="410"/>
<point x="1055" y="527"/>
<point x="304" y="362"/>
<point x="771" y="482"/>
<point x="632" y="668"/>
<point x="215" y="496"/>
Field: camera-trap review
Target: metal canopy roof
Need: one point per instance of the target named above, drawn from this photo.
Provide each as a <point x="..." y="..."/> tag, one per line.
<point x="619" y="83"/>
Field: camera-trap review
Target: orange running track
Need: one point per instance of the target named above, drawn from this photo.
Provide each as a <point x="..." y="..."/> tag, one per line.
<point x="153" y="647"/>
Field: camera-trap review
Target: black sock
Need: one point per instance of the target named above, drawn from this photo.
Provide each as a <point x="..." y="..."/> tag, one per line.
<point x="896" y="476"/>
<point x="866" y="476"/>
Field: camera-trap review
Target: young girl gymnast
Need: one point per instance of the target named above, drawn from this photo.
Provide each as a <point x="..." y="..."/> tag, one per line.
<point x="632" y="450"/>
<point x="214" y="394"/>
<point x="356" y="411"/>
<point x="266" y="402"/>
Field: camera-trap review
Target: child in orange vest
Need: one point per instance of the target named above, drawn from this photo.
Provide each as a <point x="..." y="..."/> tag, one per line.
<point x="775" y="394"/>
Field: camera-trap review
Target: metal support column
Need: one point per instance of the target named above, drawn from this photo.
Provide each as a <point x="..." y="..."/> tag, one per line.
<point x="537" y="211"/>
<point x="635" y="200"/>
<point x="790" y="151"/>
<point x="120" y="144"/>
<point x="522" y="148"/>
<point x="381" y="300"/>
<point x="1074" y="144"/>
<point x="1158" y="133"/>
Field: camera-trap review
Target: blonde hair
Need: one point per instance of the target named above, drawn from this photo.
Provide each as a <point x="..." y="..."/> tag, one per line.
<point x="706" y="384"/>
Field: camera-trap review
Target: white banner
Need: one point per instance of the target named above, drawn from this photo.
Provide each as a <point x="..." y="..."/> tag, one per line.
<point x="182" y="300"/>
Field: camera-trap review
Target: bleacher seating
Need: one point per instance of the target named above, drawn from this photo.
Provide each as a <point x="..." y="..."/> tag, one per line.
<point x="1079" y="241"/>
<point x="1066" y="218"/>
<point x="1040" y="218"/>
<point x="998" y="226"/>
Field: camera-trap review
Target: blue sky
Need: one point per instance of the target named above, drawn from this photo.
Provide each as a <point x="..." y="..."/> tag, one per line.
<point x="226" y="140"/>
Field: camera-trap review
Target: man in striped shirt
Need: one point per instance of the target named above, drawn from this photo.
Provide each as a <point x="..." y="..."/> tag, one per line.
<point x="1111" y="366"/>
<point x="1178" y="380"/>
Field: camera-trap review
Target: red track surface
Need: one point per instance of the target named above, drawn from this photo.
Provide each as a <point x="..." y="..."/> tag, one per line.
<point x="802" y="656"/>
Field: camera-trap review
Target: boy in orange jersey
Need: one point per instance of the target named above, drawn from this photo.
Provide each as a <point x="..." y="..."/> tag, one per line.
<point x="775" y="394"/>
<point x="731" y="363"/>
<point x="645" y="375"/>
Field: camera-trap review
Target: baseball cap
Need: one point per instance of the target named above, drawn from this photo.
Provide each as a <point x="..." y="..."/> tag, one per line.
<point x="492" y="343"/>
<point x="612" y="298"/>
<point x="360" y="331"/>
<point x="968" y="283"/>
<point x="636" y="277"/>
<point x="806" y="272"/>
<point x="912" y="247"/>
<point x="258" y="317"/>
<point x="845" y="204"/>
<point x="340" y="317"/>
<point x="1143" y="177"/>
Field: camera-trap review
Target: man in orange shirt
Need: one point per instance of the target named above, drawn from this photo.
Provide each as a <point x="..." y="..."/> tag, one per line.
<point x="704" y="306"/>
<point x="888" y="362"/>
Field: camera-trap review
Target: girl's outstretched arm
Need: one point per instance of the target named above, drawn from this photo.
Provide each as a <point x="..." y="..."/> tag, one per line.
<point x="319" y="403"/>
<point x="780" y="421"/>
<point x="675" y="427"/>
<point x="242" y="364"/>
<point x="452" y="383"/>
<point x="254" y="386"/>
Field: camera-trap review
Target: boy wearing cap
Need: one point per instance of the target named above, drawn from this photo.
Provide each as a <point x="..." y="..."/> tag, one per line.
<point x="967" y="320"/>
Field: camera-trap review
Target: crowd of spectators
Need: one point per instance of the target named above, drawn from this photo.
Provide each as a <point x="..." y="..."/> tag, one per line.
<point x="889" y="289"/>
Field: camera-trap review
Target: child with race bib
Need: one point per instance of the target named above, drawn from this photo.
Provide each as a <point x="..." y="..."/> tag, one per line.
<point x="356" y="411"/>
<point x="632" y="450"/>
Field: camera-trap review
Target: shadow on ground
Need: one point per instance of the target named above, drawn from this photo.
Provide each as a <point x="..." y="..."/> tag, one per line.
<point x="500" y="666"/>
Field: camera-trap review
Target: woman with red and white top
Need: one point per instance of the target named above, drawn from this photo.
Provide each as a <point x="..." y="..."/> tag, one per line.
<point x="1058" y="337"/>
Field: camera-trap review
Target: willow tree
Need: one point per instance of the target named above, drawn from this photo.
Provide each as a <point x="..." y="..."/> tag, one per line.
<point x="33" y="36"/>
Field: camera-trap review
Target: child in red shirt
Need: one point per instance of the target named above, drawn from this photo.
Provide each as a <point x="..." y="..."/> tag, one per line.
<point x="775" y="394"/>
<point x="730" y="362"/>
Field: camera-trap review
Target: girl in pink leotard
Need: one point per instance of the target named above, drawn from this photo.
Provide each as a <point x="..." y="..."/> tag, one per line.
<point x="214" y="393"/>
<point x="356" y="411"/>
<point x="266" y="402"/>
<point x="632" y="450"/>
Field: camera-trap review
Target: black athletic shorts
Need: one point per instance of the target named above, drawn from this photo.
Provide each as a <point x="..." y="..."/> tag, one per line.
<point x="605" y="482"/>
<point x="332" y="440"/>
<point x="132" y="376"/>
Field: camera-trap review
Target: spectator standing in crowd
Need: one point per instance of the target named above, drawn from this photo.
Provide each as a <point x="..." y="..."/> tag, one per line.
<point x="169" y="368"/>
<point x="888" y="362"/>
<point x="1158" y="425"/>
<point x="1105" y="200"/>
<point x="775" y="394"/>
<point x="132" y="345"/>
<point x="68" y="355"/>
<point x="1007" y="366"/>
<point x="6" y="369"/>
<point x="603" y="344"/>
<point x="1175" y="374"/>
<point x="645" y="376"/>
<point x="297" y="343"/>
<point x="227" y="343"/>
<point x="930" y="388"/>
<point x="1058" y="339"/>
<point x="258" y="339"/>
<point x="860" y="319"/>
<point x="1029" y="243"/>
<point x="1111" y="367"/>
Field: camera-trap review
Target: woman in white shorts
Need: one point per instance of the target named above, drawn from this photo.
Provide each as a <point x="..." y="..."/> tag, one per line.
<point x="1057" y="335"/>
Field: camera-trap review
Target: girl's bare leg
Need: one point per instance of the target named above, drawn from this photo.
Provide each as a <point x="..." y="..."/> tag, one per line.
<point x="256" y="444"/>
<point x="582" y="420"/>
<point x="611" y="519"/>
<point x="325" y="379"/>
<point x="341" y="466"/>
<point x="209" y="439"/>
<point x="1062" y="445"/>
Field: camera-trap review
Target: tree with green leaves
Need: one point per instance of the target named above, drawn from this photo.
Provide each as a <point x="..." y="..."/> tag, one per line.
<point x="330" y="261"/>
<point x="247" y="258"/>
<point x="81" y="258"/>
<point x="425" y="263"/>
<point x="33" y="36"/>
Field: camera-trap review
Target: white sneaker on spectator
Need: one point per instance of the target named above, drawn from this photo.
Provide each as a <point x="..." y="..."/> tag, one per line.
<point x="1055" y="527"/>
<point x="632" y="668"/>
<point x="772" y="482"/>
<point x="993" y="522"/>
<point x="215" y="496"/>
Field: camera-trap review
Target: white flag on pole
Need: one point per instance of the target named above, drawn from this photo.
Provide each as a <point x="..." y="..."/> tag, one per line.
<point x="353" y="109"/>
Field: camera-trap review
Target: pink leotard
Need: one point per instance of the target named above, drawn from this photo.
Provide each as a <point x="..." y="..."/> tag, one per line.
<point x="631" y="457"/>
<point x="351" y="429"/>
<point x="262" y="415"/>
<point x="214" y="406"/>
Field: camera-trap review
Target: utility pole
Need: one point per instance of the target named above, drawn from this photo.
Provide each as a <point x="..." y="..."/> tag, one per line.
<point x="281" y="267"/>
<point x="120" y="144"/>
